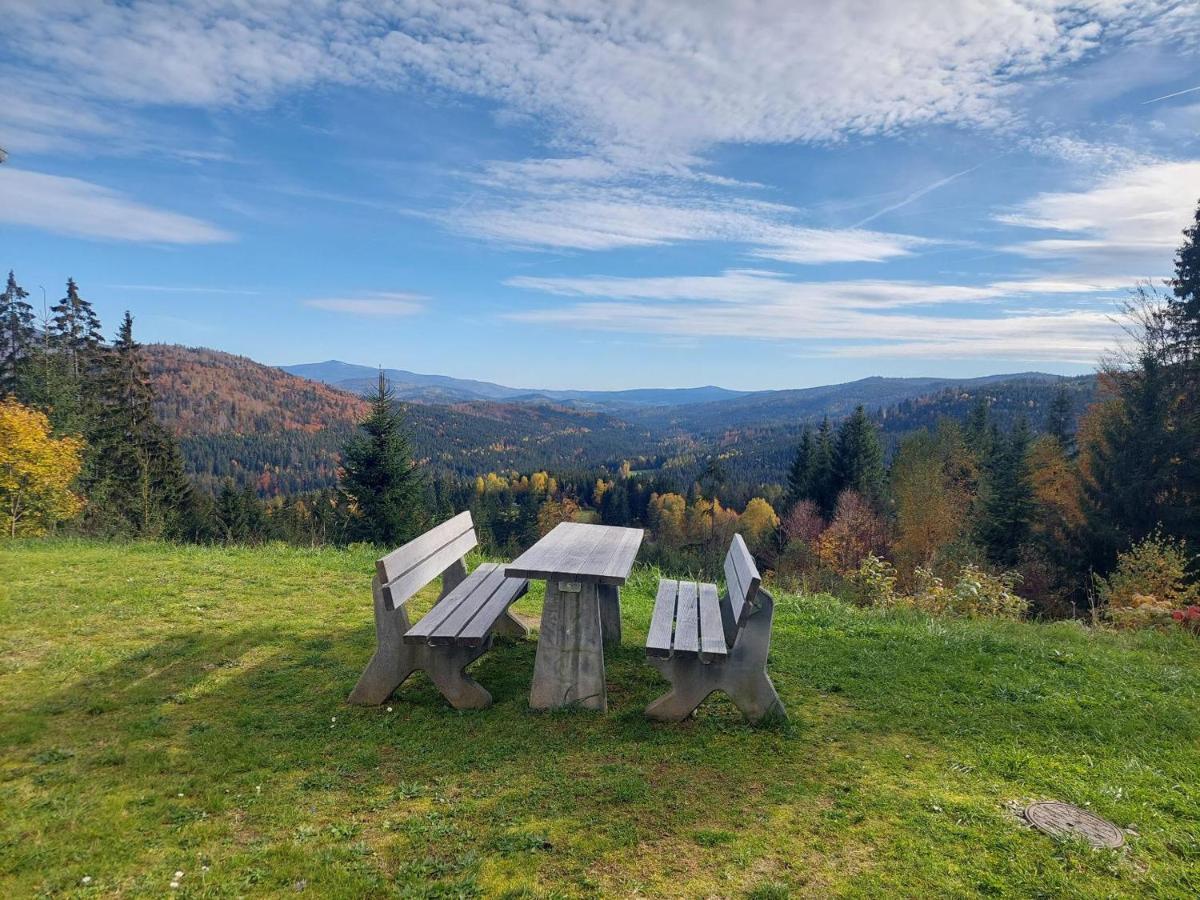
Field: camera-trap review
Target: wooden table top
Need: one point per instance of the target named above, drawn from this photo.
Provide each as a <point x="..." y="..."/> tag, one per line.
<point x="580" y="552"/>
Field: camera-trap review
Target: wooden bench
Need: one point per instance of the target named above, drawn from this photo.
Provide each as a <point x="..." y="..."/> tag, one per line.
<point x="703" y="643"/>
<point x="452" y="635"/>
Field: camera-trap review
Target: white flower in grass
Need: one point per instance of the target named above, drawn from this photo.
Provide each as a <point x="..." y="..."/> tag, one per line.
<point x="179" y="874"/>
<point x="174" y="885"/>
<point x="389" y="709"/>
<point x="86" y="879"/>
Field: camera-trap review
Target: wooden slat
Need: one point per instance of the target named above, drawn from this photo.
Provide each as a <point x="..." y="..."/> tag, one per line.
<point x="581" y="552"/>
<point x="400" y="560"/>
<point x="475" y="632"/>
<point x="712" y="632"/>
<point x="658" y="642"/>
<point x="447" y="630"/>
<point x="737" y="594"/>
<point x="687" y="620"/>
<point x="446" y="607"/>
<point x="415" y="578"/>
<point x="747" y="570"/>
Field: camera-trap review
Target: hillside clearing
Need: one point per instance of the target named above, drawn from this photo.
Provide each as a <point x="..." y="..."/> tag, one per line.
<point x="170" y="709"/>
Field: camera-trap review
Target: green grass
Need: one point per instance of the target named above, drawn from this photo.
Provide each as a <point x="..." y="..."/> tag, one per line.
<point x="170" y="709"/>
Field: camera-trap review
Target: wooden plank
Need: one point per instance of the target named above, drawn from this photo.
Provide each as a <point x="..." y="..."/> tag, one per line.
<point x="658" y="642"/>
<point x="582" y="552"/>
<point x="712" y="632"/>
<point x="619" y="553"/>
<point x="746" y="568"/>
<point x="475" y="632"/>
<point x="415" y="578"/>
<point x="400" y="560"/>
<point x="446" y="631"/>
<point x="432" y="620"/>
<point x="737" y="594"/>
<point x="687" y="620"/>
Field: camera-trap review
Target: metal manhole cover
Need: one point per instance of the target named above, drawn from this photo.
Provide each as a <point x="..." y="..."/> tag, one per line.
<point x="1065" y="821"/>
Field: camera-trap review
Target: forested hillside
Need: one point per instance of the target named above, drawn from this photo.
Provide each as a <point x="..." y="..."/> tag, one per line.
<point x="280" y="433"/>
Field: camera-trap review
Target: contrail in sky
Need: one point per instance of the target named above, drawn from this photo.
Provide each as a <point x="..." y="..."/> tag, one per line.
<point x="1169" y="96"/>
<point x="915" y="195"/>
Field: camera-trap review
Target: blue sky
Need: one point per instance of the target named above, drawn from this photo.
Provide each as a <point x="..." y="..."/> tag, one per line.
<point x="757" y="195"/>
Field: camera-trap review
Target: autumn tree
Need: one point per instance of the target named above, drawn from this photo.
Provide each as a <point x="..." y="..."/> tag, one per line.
<point x="379" y="475"/>
<point x="758" y="524"/>
<point x="931" y="496"/>
<point x="667" y="515"/>
<point x="856" y="531"/>
<point x="36" y="471"/>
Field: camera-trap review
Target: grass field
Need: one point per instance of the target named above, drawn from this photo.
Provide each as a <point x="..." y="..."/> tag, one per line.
<point x="170" y="710"/>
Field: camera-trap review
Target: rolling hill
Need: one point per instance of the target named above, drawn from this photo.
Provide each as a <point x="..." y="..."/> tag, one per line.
<point x="282" y="431"/>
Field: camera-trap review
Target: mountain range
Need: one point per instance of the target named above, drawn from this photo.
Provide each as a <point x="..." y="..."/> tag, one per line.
<point x="281" y="429"/>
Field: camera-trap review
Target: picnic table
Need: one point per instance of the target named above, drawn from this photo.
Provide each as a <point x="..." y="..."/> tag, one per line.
<point x="584" y="567"/>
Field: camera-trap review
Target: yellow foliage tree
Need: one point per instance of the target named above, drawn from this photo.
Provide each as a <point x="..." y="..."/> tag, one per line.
<point x="36" y="471"/>
<point x="666" y="516"/>
<point x="757" y="523"/>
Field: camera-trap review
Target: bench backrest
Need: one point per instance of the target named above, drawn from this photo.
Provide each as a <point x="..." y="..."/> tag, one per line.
<point x="407" y="569"/>
<point x="741" y="581"/>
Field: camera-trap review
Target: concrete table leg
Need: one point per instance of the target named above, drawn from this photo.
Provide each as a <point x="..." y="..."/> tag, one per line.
<point x="610" y="614"/>
<point x="569" y="667"/>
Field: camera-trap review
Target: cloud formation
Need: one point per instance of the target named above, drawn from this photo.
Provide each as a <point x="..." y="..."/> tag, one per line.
<point x="379" y="304"/>
<point x="1134" y="211"/>
<point x="847" y="318"/>
<point x="81" y="209"/>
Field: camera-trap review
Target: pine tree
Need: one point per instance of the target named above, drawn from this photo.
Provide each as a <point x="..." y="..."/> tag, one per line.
<point x="823" y="490"/>
<point x="1184" y="310"/>
<point x="75" y="329"/>
<point x="1008" y="499"/>
<point x="16" y="335"/>
<point x="978" y="429"/>
<point x="858" y="457"/>
<point x="379" y="476"/>
<point x="1060" y="420"/>
<point x="799" y="484"/>
<point x="137" y="483"/>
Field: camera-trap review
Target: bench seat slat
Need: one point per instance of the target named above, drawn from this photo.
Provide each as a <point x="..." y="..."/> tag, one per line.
<point x="687" y="620"/>
<point x="712" y="631"/>
<point x="448" y="605"/>
<point x="476" y="631"/>
<point x="658" y="641"/>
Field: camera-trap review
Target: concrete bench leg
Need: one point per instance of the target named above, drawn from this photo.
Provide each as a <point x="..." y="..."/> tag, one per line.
<point x="610" y="614"/>
<point x="742" y="675"/>
<point x="569" y="667"/>
<point x="394" y="661"/>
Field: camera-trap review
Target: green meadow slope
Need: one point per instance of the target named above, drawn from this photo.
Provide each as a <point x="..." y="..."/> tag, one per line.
<point x="168" y="709"/>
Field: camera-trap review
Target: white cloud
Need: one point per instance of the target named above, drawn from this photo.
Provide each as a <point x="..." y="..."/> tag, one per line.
<point x="379" y="304"/>
<point x="82" y="209"/>
<point x="845" y="318"/>
<point x="638" y="80"/>
<point x="1135" y="211"/>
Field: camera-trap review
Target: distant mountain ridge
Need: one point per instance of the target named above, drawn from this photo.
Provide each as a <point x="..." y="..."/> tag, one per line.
<point x="418" y="388"/>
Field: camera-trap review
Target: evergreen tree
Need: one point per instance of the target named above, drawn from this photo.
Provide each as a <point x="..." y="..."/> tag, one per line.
<point x="1184" y="310"/>
<point x="978" y="429"/>
<point x="858" y="457"/>
<point x="823" y="490"/>
<point x="137" y="483"/>
<point x="379" y="475"/>
<point x="16" y="335"/>
<point x="799" y="486"/>
<point x="75" y="329"/>
<point x="1060" y="420"/>
<point x="1008" y="499"/>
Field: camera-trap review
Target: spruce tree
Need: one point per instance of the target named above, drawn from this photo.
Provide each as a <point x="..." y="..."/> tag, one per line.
<point x="1008" y="498"/>
<point x="822" y="488"/>
<point x="858" y="457"/>
<point x="799" y="486"/>
<point x="379" y="476"/>
<point x="137" y="481"/>
<point x="1060" y="420"/>
<point x="1184" y="309"/>
<point x="75" y="329"/>
<point x="16" y="335"/>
